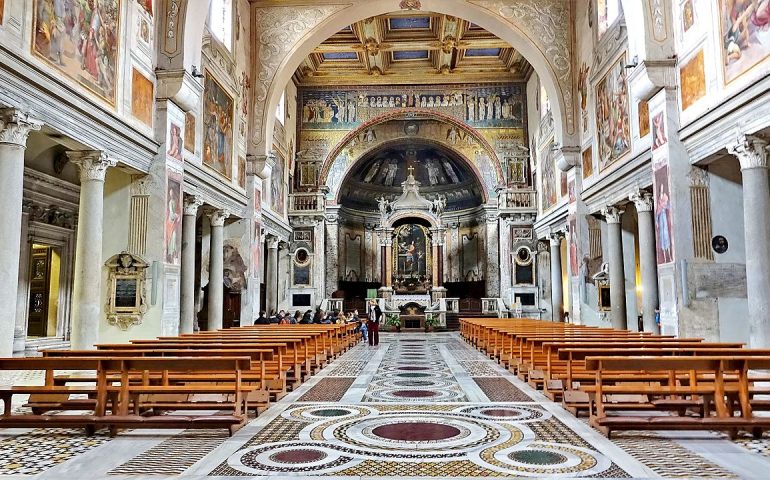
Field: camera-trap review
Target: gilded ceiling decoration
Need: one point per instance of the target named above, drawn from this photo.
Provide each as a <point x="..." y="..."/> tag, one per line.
<point x="412" y="47"/>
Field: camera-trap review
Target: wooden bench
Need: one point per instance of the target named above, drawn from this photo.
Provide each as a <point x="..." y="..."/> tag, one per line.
<point x="130" y="404"/>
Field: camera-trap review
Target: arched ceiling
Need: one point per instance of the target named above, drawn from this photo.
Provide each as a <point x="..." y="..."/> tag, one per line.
<point x="412" y="48"/>
<point x="439" y="170"/>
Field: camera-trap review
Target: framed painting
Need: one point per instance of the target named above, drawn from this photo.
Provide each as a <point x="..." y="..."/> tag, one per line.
<point x="189" y="132"/>
<point x="548" y="174"/>
<point x="588" y="162"/>
<point x="2" y="11"/>
<point x="692" y="78"/>
<point x="277" y="186"/>
<point x="173" y="237"/>
<point x="613" y="133"/>
<point x="745" y="38"/>
<point x="80" y="42"/>
<point x="664" y="224"/>
<point x="242" y="172"/>
<point x="217" y="127"/>
<point x="174" y="141"/>
<point x="659" y="136"/>
<point x="643" y="109"/>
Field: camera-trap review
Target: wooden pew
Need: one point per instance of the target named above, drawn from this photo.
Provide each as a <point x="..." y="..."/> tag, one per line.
<point x="126" y="401"/>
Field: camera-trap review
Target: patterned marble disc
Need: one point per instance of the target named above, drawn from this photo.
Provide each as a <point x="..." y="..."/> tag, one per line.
<point x="507" y="413"/>
<point x="311" y="458"/>
<point x="541" y="459"/>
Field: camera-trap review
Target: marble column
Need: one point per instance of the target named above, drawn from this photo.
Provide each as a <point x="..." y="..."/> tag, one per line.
<point x="187" y="281"/>
<point x="332" y="254"/>
<point x="271" y="282"/>
<point x="216" y="268"/>
<point x="752" y="154"/>
<point x="87" y="294"/>
<point x="612" y="216"/>
<point x="15" y="127"/>
<point x="506" y="283"/>
<point x="648" y="260"/>
<point x="493" y="254"/>
<point x="557" y="290"/>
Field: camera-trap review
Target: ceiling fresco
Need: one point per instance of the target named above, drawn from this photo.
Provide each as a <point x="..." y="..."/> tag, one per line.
<point x="412" y="48"/>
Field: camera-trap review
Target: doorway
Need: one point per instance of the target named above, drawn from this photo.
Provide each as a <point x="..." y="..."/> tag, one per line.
<point x="44" y="286"/>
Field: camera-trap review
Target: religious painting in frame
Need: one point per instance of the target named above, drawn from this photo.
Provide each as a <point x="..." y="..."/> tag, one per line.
<point x="412" y="262"/>
<point x="81" y="42"/>
<point x="173" y="228"/>
<point x="588" y="162"/>
<point x="174" y="141"/>
<point x="217" y="127"/>
<point x="242" y="172"/>
<point x="664" y="225"/>
<point x="256" y="250"/>
<point x="548" y="175"/>
<point x="277" y="186"/>
<point x="142" y="97"/>
<point x="563" y="187"/>
<point x="745" y="38"/>
<point x="644" y="118"/>
<point x="692" y="78"/>
<point x="688" y="15"/>
<point x="189" y="132"/>
<point x="613" y="133"/>
<point x="573" y="251"/>
<point x="659" y="136"/>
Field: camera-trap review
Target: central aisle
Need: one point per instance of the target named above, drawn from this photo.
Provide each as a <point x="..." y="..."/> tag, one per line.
<point x="419" y="405"/>
<point x="416" y="406"/>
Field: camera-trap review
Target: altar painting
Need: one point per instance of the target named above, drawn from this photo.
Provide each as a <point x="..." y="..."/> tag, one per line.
<point x="412" y="259"/>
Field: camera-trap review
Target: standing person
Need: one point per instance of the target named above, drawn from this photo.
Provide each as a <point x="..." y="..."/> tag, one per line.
<point x="374" y="324"/>
<point x="364" y="332"/>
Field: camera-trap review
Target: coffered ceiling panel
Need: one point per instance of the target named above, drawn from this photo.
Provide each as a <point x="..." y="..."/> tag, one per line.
<point x="412" y="48"/>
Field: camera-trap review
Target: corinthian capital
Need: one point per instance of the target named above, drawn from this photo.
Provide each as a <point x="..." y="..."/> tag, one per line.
<point x="750" y="150"/>
<point x="191" y="205"/>
<point x="612" y="214"/>
<point x="642" y="200"/>
<point x="218" y="217"/>
<point x="15" y="126"/>
<point x="93" y="164"/>
<point x="555" y="238"/>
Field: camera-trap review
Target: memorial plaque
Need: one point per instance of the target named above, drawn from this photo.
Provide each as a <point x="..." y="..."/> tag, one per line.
<point x="125" y="293"/>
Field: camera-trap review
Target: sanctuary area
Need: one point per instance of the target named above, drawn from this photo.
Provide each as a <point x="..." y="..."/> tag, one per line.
<point x="384" y="238"/>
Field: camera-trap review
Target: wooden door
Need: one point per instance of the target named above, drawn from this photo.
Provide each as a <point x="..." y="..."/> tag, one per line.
<point x="39" y="286"/>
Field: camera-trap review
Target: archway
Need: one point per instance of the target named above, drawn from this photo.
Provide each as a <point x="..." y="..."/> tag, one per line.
<point x="542" y="38"/>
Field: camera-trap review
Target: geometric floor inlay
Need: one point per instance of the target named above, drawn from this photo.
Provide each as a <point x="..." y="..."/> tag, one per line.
<point x="40" y="449"/>
<point x="501" y="390"/>
<point x="380" y="440"/>
<point x="327" y="390"/>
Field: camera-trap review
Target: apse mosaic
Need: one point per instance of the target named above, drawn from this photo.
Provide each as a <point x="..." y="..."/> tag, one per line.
<point x="499" y="106"/>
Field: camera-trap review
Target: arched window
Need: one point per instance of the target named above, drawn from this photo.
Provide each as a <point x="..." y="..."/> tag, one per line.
<point x="221" y="21"/>
<point x="280" y="110"/>
<point x="607" y="12"/>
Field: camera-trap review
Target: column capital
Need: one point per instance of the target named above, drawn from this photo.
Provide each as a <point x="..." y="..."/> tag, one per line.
<point x="217" y="217"/>
<point x="750" y="150"/>
<point x="15" y="126"/>
<point x="273" y="242"/>
<point x="93" y="164"/>
<point x="555" y="238"/>
<point x="612" y="214"/>
<point x="191" y="204"/>
<point x="642" y="199"/>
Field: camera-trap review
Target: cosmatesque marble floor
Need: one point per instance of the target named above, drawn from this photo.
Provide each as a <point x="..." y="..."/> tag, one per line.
<point x="417" y="405"/>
